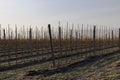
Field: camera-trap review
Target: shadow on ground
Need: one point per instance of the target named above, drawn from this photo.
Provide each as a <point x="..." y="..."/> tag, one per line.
<point x="70" y="67"/>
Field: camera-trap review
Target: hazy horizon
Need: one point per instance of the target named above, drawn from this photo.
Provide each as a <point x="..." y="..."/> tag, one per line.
<point x="43" y="12"/>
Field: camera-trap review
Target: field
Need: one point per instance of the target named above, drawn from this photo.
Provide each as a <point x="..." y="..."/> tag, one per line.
<point x="77" y="52"/>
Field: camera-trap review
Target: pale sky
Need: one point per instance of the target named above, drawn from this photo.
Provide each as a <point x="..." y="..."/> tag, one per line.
<point x="43" y="12"/>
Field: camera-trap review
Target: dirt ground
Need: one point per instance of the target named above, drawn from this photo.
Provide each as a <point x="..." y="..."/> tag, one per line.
<point x="96" y="68"/>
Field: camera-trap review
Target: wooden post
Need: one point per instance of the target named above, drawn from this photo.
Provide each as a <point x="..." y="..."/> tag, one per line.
<point x="51" y="45"/>
<point x="71" y="40"/>
<point x="76" y="40"/>
<point x="16" y="42"/>
<point x="106" y="40"/>
<point x="30" y="42"/>
<point x="119" y="38"/>
<point x="60" y="40"/>
<point x="4" y="37"/>
<point x="71" y="36"/>
<point x="0" y="31"/>
<point x="94" y="40"/>
<point x="109" y="39"/>
<point x="30" y="39"/>
<point x="82" y="38"/>
<point x="4" y="34"/>
<point x="112" y="38"/>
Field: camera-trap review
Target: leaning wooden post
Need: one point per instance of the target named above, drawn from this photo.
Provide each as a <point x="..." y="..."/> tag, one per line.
<point x="51" y="45"/>
<point x="94" y="40"/>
